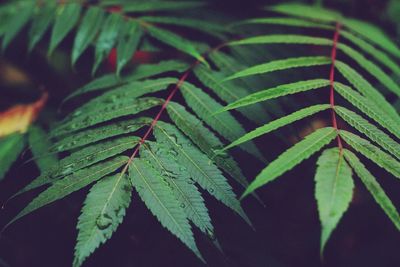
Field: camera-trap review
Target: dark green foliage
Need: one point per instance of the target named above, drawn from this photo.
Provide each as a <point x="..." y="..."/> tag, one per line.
<point x="129" y="137"/>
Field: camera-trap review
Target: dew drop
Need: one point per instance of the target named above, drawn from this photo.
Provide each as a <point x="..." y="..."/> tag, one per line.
<point x="183" y="205"/>
<point x="90" y="158"/>
<point x="173" y="152"/>
<point x="128" y="127"/>
<point x="211" y="190"/>
<point x="103" y="221"/>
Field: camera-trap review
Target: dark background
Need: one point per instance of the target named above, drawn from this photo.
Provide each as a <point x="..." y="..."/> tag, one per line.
<point x="287" y="228"/>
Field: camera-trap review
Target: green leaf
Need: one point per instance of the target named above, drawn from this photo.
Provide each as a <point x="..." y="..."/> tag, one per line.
<point x="140" y="6"/>
<point x="283" y="39"/>
<point x="80" y="159"/>
<point x="281" y="64"/>
<point x="373" y="187"/>
<point x="40" y="23"/>
<point x="107" y="38"/>
<point x="196" y="24"/>
<point x="306" y="11"/>
<point x="70" y="184"/>
<point x="201" y="170"/>
<point x="140" y="72"/>
<point x="17" y="22"/>
<point x="286" y="22"/>
<point x="370" y="130"/>
<point x="102" y="213"/>
<point x="183" y="188"/>
<point x="372" y="34"/>
<point x="225" y="124"/>
<point x="371" y="68"/>
<point x="127" y="43"/>
<point x="175" y="41"/>
<point x="292" y="157"/>
<point x="40" y="147"/>
<point x="67" y="15"/>
<point x="372" y="51"/>
<point x="106" y="113"/>
<point x="91" y="23"/>
<point x="126" y="92"/>
<point x="10" y="148"/>
<point x="229" y="92"/>
<point x="92" y="135"/>
<point x="333" y="190"/>
<point x="372" y="152"/>
<point x="206" y="140"/>
<point x="367" y="107"/>
<point x="275" y="92"/>
<point x="365" y="88"/>
<point x="276" y="124"/>
<point x="160" y="200"/>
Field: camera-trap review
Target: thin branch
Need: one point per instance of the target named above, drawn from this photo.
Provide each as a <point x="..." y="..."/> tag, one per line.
<point x="332" y="82"/>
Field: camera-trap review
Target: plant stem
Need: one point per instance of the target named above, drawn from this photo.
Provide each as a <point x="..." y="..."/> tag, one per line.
<point x="332" y="83"/>
<point x="164" y="106"/>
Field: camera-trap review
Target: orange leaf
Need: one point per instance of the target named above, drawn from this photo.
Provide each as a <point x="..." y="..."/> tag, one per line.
<point x="19" y="117"/>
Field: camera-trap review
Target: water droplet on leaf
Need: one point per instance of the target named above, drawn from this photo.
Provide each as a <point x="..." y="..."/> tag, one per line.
<point x="103" y="221"/>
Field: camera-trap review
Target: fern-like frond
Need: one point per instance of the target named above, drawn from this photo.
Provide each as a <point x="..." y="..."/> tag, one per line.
<point x="142" y="71"/>
<point x="373" y="187"/>
<point x="81" y="159"/>
<point x="92" y="135"/>
<point x="276" y="124"/>
<point x="366" y="89"/>
<point x="370" y="130"/>
<point x="367" y="107"/>
<point x="205" y="140"/>
<point x="154" y="191"/>
<point x="199" y="167"/>
<point x="225" y="124"/>
<point x="179" y="180"/>
<point x="181" y="153"/>
<point x="229" y="92"/>
<point x="372" y="152"/>
<point x="72" y="183"/>
<point x="107" y="112"/>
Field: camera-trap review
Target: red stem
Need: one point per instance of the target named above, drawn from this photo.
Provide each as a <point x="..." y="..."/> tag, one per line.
<point x="157" y="117"/>
<point x="163" y="107"/>
<point x="332" y="83"/>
